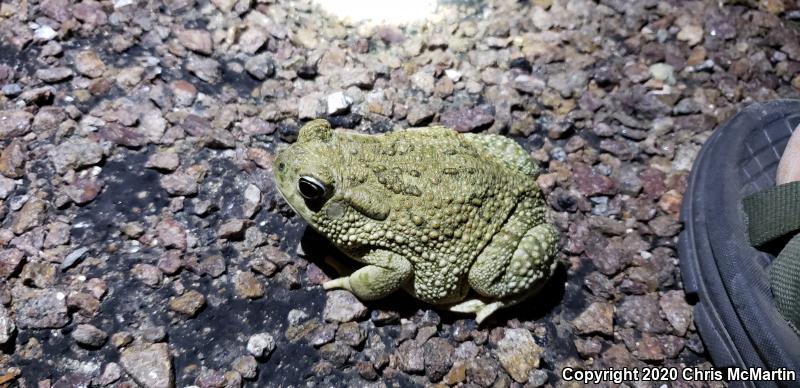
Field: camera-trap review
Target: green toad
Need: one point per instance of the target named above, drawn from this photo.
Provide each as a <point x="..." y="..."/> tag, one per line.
<point x="428" y="210"/>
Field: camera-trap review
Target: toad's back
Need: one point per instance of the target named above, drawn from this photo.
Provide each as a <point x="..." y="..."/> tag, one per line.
<point x="448" y="193"/>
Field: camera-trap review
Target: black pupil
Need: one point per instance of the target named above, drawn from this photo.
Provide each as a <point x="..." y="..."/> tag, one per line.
<point x="310" y="189"/>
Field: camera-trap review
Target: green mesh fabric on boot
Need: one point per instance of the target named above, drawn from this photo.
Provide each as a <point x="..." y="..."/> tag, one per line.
<point x="784" y="277"/>
<point x="774" y="213"/>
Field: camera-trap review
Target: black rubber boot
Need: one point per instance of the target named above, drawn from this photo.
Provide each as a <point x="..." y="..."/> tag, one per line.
<point x="735" y="312"/>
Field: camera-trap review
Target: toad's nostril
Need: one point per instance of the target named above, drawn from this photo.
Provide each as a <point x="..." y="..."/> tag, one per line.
<point x="281" y="166"/>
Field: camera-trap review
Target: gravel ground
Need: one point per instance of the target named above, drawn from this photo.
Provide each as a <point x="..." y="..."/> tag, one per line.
<point x="143" y="241"/>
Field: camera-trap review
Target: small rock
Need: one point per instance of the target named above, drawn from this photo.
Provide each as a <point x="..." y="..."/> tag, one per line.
<point x="444" y="87"/>
<point x="591" y="183"/>
<point x="252" y="40"/>
<point x="665" y="226"/>
<point x="7" y="186"/>
<point x="691" y="34"/>
<point x="12" y="160"/>
<point x="670" y="202"/>
<point x="653" y="183"/>
<point x="72" y="257"/>
<point x="247" y="366"/>
<point x="14" y="123"/>
<point x="148" y="274"/>
<point x="89" y="64"/>
<point x="111" y="374"/>
<point x="10" y="260"/>
<point x="351" y="334"/>
<point x="252" y="200"/>
<point x="296" y="316"/>
<point x="457" y="374"/>
<point x="772" y="6"/>
<point x="482" y="371"/>
<point x="366" y="370"/>
<point x="32" y="214"/>
<point x="213" y="265"/>
<point x="122" y="135"/>
<point x="260" y="67"/>
<point x="649" y="349"/>
<point x="309" y="107"/>
<point x="189" y="304"/>
<point x="261" y="345"/>
<point x="97" y="287"/>
<point x="132" y="229"/>
<point x="38" y="274"/>
<point x="588" y="347"/>
<point x="323" y="334"/>
<point x="54" y="74"/>
<point x="196" y="40"/>
<point x="677" y="310"/>
<point x="184" y="92"/>
<point x="44" y="33"/>
<point x="360" y="78"/>
<point x="12" y="90"/>
<point x="538" y="378"/>
<point x="342" y="306"/>
<point x="150" y="365"/>
<point x="263" y="266"/>
<point x="179" y="183"/>
<point x="642" y="313"/>
<point x="7" y="326"/>
<point x="528" y="84"/>
<point x="247" y="285"/>
<point x="423" y="80"/>
<point x="411" y="357"/>
<point x="305" y="37"/>
<point x="75" y="153"/>
<point x="663" y="72"/>
<point x="90" y="12"/>
<point x="438" y="358"/>
<point x="40" y="96"/>
<point x="233" y="229"/>
<point x="122" y="338"/>
<point x="518" y="353"/>
<point x="89" y="335"/>
<point x="82" y="191"/>
<point x="85" y="304"/>
<point x="129" y="77"/>
<point x="336" y="353"/>
<point x="153" y="334"/>
<point x="469" y="119"/>
<point x="338" y="103"/>
<point x="164" y="160"/>
<point x="40" y="309"/>
<point x="207" y="69"/>
<point x="255" y="126"/>
<point x="210" y="378"/>
<point x="597" y="318"/>
<point x="420" y="114"/>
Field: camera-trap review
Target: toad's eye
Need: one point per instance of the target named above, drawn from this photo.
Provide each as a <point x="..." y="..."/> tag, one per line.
<point x="311" y="188"/>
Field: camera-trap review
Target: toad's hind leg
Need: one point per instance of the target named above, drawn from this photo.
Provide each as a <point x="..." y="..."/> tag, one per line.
<point x="385" y="273"/>
<point x="513" y="266"/>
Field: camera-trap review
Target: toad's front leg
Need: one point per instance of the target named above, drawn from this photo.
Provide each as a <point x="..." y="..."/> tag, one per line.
<point x="385" y="273"/>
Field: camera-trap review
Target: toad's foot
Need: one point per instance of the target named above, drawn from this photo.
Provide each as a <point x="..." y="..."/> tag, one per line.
<point x="481" y="309"/>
